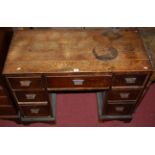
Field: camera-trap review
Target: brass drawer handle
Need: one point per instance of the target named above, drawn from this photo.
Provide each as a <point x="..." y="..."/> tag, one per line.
<point x="130" y="80"/>
<point x="119" y="109"/>
<point x="30" y="96"/>
<point x="124" y="95"/>
<point x="25" y="83"/>
<point x="35" y="111"/>
<point x="78" y="82"/>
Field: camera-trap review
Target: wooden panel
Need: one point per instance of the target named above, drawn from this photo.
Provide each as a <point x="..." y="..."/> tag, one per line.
<point x="4" y="101"/>
<point x="130" y="79"/>
<point x="124" y="94"/>
<point x="5" y="38"/>
<point x="35" y="111"/>
<point x="31" y="96"/>
<point x="0" y="81"/>
<point x="25" y="83"/>
<point x="7" y="111"/>
<point x="2" y="93"/>
<point x="79" y="81"/>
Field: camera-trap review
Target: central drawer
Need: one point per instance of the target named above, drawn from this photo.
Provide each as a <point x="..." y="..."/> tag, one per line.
<point x="31" y="96"/>
<point x="92" y="82"/>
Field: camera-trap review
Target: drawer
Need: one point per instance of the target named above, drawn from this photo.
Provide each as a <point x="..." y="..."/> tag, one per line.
<point x="93" y="82"/>
<point x="25" y="83"/>
<point x="129" y="79"/>
<point x="118" y="109"/>
<point x="31" y="96"/>
<point x="2" y="93"/>
<point x="7" y="110"/>
<point x="4" y="101"/>
<point x="124" y="94"/>
<point x="35" y="111"/>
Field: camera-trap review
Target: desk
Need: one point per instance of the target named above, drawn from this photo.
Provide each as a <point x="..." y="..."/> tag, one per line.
<point x="109" y="61"/>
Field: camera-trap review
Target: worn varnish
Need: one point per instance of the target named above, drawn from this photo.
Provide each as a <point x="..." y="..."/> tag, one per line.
<point x="110" y="61"/>
<point x="148" y="36"/>
<point x="76" y="50"/>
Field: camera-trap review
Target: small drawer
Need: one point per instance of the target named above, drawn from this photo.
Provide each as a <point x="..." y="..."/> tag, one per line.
<point x="129" y="79"/>
<point x="118" y="109"/>
<point x="93" y="82"/>
<point x="31" y="96"/>
<point x="35" y="111"/>
<point x="25" y="83"/>
<point x="124" y="94"/>
<point x="7" y="111"/>
<point x="2" y="93"/>
<point x="4" y="101"/>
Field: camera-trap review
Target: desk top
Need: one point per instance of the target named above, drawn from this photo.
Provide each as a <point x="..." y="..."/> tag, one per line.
<point x="76" y="50"/>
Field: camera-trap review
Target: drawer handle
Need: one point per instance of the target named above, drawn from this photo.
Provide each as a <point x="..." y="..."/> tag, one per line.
<point x="119" y="109"/>
<point x="35" y="111"/>
<point x="25" y="83"/>
<point x="130" y="80"/>
<point x="124" y="95"/>
<point x="30" y="96"/>
<point x="78" y="82"/>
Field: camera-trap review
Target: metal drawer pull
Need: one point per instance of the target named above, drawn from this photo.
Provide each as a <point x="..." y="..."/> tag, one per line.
<point x="130" y="80"/>
<point x="124" y="95"/>
<point x="30" y="96"/>
<point x="35" y="111"/>
<point x="25" y="83"/>
<point x="78" y="82"/>
<point x="119" y="109"/>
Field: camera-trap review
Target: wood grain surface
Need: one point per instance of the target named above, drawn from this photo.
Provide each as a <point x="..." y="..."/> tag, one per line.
<point x="76" y="50"/>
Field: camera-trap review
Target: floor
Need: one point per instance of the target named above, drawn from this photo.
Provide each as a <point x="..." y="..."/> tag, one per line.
<point x="80" y="110"/>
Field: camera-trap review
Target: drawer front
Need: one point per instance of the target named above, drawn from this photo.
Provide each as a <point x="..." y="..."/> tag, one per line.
<point x="25" y="83"/>
<point x="31" y="96"/>
<point x="2" y="93"/>
<point x="7" y="110"/>
<point x="129" y="79"/>
<point x="118" y="109"/>
<point x="124" y="94"/>
<point x="79" y="81"/>
<point x="4" y="101"/>
<point x="35" y="111"/>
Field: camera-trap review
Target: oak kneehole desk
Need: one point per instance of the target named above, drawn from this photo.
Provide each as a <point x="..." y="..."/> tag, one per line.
<point x="111" y="62"/>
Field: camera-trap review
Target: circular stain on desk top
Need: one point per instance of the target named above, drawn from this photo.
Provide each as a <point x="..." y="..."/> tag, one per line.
<point x="105" y="54"/>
